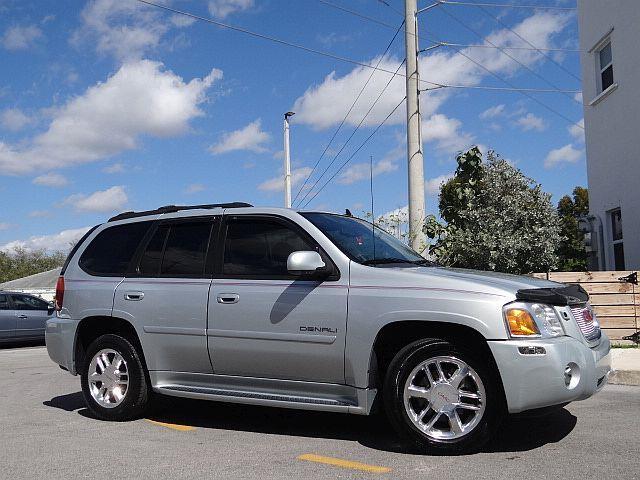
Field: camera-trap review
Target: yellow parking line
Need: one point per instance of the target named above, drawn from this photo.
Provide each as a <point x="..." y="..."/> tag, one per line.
<point x="173" y="426"/>
<point x="337" y="462"/>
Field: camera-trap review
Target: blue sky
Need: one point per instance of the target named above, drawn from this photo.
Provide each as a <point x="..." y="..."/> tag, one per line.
<point x="112" y="105"/>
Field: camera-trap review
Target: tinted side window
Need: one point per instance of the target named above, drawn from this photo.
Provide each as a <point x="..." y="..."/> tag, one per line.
<point x="4" y="302"/>
<point x="260" y="248"/>
<point x="25" y="302"/>
<point x="152" y="257"/>
<point x="112" y="250"/>
<point x="186" y="249"/>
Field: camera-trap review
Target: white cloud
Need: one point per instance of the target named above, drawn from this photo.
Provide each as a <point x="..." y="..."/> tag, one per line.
<point x="141" y="98"/>
<point x="493" y="112"/>
<point x="114" y="198"/>
<point x="20" y="38"/>
<point x="432" y="185"/>
<point x="124" y="29"/>
<point x="325" y="104"/>
<point x="224" y="8"/>
<point x="566" y="154"/>
<point x="576" y="131"/>
<point x="4" y="226"/>
<point x="445" y="133"/>
<point x="531" y="122"/>
<point x="14" y="119"/>
<point x="182" y="21"/>
<point x="251" y="138"/>
<point x="39" y="213"/>
<point x="51" y="180"/>
<point x="194" y="188"/>
<point x="578" y="97"/>
<point x="115" y="168"/>
<point x="361" y="171"/>
<point x="276" y="184"/>
<point x="57" y="241"/>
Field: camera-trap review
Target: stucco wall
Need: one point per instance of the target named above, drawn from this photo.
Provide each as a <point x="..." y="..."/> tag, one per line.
<point x="613" y="124"/>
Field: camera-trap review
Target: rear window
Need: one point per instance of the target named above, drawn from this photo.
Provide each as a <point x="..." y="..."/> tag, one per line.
<point x="110" y="253"/>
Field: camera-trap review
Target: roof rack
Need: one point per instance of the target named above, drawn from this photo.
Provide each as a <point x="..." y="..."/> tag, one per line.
<point x="177" y="208"/>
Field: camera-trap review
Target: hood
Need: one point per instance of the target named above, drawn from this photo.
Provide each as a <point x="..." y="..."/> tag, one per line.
<point x="492" y="281"/>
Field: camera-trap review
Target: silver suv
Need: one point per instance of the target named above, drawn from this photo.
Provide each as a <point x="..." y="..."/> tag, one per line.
<point x="317" y="311"/>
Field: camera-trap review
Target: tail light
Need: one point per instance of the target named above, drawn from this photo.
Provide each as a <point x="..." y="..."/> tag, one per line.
<point x="59" y="293"/>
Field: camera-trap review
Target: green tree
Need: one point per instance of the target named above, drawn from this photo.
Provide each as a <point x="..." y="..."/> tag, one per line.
<point x="571" y="252"/>
<point x="20" y="262"/>
<point x="497" y="219"/>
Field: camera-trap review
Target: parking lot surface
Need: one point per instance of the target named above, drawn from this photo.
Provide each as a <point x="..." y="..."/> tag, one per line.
<point x="47" y="432"/>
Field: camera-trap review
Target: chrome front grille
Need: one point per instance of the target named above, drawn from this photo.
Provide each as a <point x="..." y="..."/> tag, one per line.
<point x="586" y="319"/>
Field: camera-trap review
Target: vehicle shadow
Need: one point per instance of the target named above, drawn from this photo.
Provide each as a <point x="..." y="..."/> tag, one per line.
<point x="21" y="344"/>
<point x="517" y="433"/>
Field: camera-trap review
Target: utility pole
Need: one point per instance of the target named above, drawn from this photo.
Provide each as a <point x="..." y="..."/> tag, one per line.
<point x="417" y="239"/>
<point x="287" y="161"/>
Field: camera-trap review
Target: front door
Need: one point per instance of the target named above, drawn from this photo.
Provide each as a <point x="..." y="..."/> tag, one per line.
<point x="7" y="318"/>
<point x="264" y="322"/>
<point x="31" y="314"/>
<point x="166" y="295"/>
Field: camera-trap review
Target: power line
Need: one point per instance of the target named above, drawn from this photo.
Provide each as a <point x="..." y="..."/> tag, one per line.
<point x="352" y="133"/>
<point x="435" y="41"/>
<point x="471" y="29"/>
<point x="562" y="67"/>
<point x="505" y="89"/>
<point x="354" y="153"/>
<point x="507" y="5"/>
<point x="335" y="133"/>
<point x="384" y="2"/>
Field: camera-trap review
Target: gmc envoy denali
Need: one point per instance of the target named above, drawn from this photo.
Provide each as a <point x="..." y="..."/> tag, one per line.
<point x="317" y="311"/>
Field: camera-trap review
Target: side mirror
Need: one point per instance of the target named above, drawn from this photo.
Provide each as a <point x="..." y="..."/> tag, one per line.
<point x="50" y="309"/>
<point x="305" y="263"/>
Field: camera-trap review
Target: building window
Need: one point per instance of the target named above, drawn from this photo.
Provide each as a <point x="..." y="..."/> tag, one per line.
<point x="605" y="67"/>
<point x="616" y="238"/>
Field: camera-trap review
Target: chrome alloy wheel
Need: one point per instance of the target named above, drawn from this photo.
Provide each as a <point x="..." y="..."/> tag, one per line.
<point x="444" y="398"/>
<point x="108" y="378"/>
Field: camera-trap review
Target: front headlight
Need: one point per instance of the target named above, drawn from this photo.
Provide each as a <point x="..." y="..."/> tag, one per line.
<point x="532" y="320"/>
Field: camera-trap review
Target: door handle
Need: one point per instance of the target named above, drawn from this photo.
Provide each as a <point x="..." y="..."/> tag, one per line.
<point x="228" y="298"/>
<point x="23" y="316"/>
<point x="134" y="296"/>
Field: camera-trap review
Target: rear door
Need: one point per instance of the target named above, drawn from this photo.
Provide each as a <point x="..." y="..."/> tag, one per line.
<point x="166" y="295"/>
<point x="264" y="322"/>
<point x="7" y="318"/>
<point x="31" y="314"/>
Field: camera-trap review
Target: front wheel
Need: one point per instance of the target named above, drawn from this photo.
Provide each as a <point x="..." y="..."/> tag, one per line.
<point x="442" y="397"/>
<point x="113" y="378"/>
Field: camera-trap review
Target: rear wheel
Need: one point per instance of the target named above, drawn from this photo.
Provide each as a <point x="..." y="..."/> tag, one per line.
<point x="114" y="382"/>
<point x="442" y="397"/>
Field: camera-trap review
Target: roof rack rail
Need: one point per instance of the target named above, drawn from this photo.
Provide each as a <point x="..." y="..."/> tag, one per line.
<point x="177" y="208"/>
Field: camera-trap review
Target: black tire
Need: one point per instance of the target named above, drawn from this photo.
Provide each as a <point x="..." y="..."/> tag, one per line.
<point x="138" y="391"/>
<point x="397" y="374"/>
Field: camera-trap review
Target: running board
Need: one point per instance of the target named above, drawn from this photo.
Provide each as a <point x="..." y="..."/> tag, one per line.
<point x="259" y="398"/>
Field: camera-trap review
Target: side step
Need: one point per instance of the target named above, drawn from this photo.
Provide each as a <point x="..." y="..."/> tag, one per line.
<point x="257" y="398"/>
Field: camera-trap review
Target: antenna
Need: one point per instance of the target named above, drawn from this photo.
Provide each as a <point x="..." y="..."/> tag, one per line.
<point x="373" y="215"/>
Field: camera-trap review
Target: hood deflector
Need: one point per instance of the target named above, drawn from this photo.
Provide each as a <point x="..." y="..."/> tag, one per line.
<point x="568" y="295"/>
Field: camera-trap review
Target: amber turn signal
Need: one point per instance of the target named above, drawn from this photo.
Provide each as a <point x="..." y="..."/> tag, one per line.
<point x="521" y="323"/>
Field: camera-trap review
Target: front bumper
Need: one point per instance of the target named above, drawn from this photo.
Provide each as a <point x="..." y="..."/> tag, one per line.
<point x="535" y="381"/>
<point x="60" y="335"/>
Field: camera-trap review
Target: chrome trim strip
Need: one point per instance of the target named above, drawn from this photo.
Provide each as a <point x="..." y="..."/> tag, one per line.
<point x="285" y="337"/>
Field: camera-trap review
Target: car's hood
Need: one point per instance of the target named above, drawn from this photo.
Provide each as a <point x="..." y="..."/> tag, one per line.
<point x="505" y="282"/>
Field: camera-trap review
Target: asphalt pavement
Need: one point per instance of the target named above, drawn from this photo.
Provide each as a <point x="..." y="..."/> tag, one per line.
<point x="47" y="433"/>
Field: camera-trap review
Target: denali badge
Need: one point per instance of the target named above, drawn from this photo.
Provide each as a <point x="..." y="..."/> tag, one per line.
<point x="319" y="329"/>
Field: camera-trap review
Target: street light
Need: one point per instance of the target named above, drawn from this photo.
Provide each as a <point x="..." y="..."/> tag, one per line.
<point x="287" y="161"/>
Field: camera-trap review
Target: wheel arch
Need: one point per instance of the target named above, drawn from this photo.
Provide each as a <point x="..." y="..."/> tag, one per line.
<point x="92" y="327"/>
<point x="394" y="336"/>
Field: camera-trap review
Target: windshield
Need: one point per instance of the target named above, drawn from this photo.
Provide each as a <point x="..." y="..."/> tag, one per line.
<point x="354" y="237"/>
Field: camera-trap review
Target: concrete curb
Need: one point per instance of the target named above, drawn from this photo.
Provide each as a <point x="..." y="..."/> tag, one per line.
<point x="626" y="366"/>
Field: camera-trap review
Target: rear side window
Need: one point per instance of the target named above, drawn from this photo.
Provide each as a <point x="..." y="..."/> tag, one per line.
<point x="25" y="302"/>
<point x="4" y="302"/>
<point x="177" y="249"/>
<point x="186" y="249"/>
<point x="110" y="253"/>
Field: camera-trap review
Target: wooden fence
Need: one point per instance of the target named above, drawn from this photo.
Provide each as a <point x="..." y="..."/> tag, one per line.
<point x="616" y="302"/>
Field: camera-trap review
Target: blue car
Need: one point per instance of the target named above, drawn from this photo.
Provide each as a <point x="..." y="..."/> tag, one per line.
<point x="23" y="316"/>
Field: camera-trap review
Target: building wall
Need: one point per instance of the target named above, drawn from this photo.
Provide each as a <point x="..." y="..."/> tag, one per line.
<point x="612" y="122"/>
